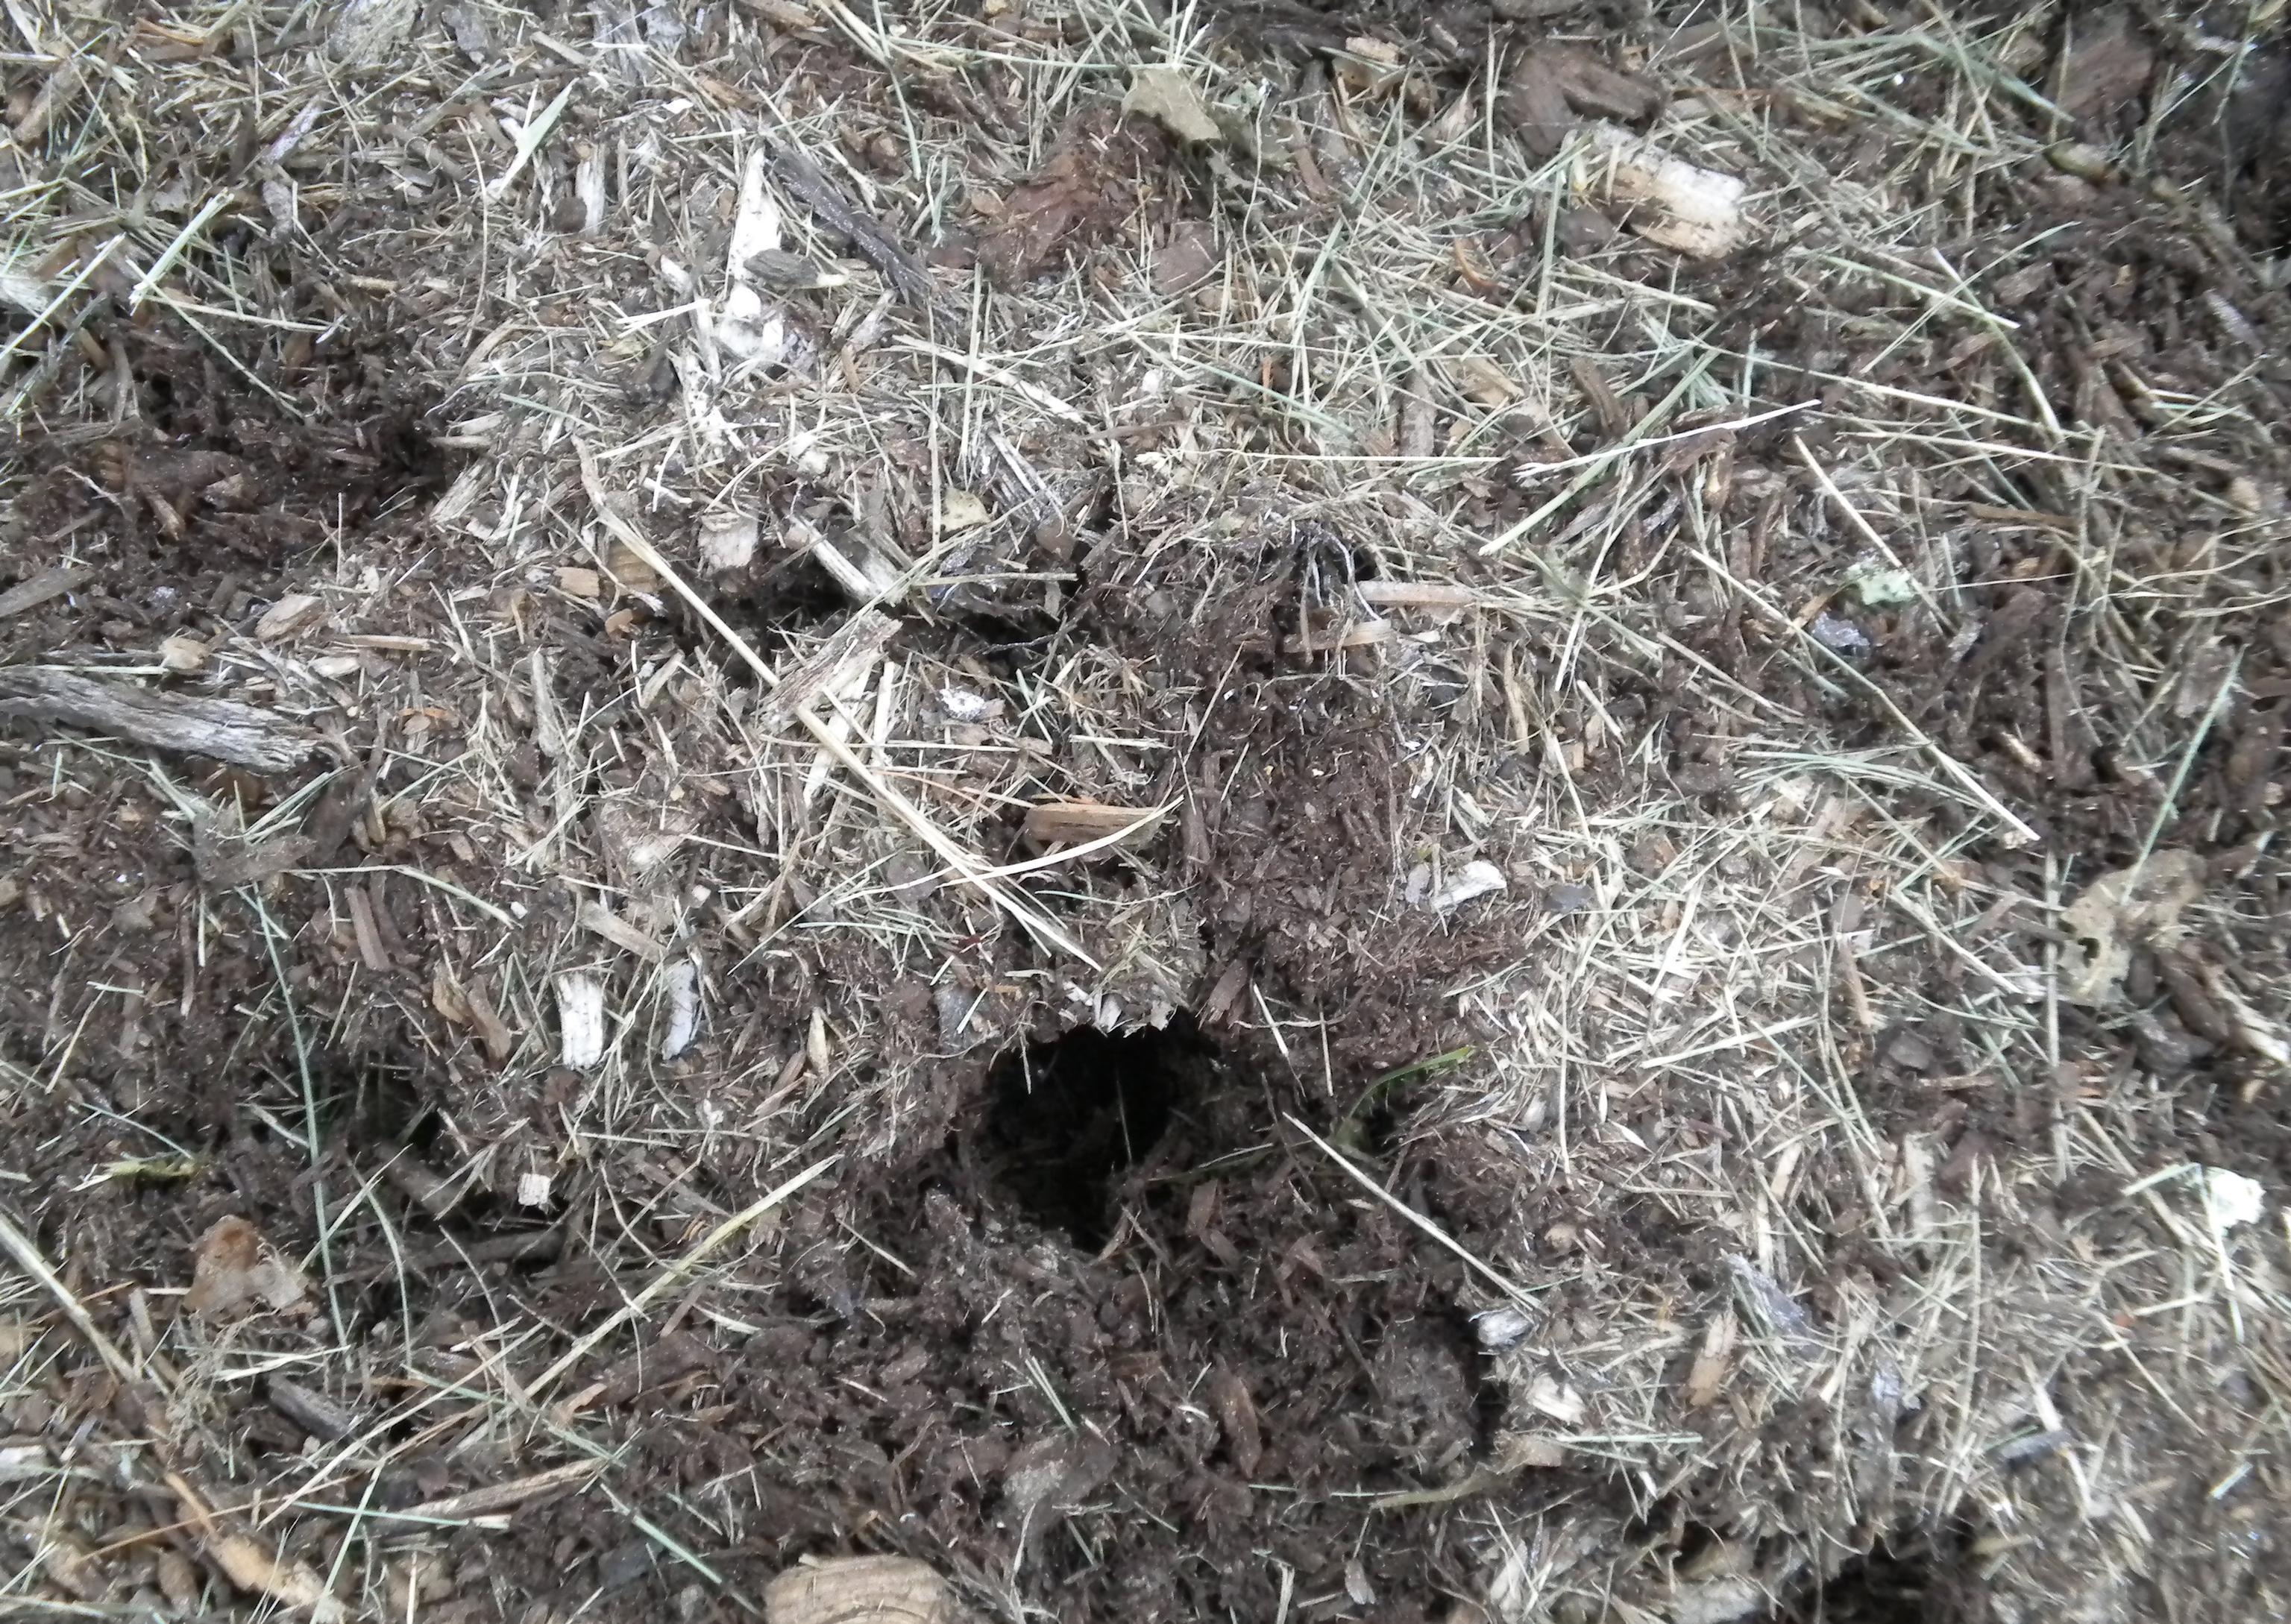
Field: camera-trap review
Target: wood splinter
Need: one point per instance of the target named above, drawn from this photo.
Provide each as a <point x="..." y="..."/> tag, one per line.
<point x="238" y="735"/>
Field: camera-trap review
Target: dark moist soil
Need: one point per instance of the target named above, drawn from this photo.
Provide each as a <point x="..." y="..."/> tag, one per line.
<point x="203" y="494"/>
<point x="1121" y="1339"/>
<point x="1132" y="1294"/>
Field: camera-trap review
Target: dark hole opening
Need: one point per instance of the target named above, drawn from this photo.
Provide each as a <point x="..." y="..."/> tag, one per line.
<point x="1892" y="1584"/>
<point x="1067" y="1117"/>
<point x="790" y="595"/>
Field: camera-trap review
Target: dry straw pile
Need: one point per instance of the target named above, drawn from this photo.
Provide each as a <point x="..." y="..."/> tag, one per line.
<point x="1685" y="608"/>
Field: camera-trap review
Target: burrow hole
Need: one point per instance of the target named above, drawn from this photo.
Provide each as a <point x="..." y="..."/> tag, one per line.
<point x="1898" y="1583"/>
<point x="1066" y="1119"/>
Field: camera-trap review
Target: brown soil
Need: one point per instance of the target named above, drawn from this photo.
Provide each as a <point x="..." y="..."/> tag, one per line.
<point x="1120" y="1341"/>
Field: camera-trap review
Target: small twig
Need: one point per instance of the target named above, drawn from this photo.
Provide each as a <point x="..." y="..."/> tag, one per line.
<point x="20" y="1247"/>
<point x="1502" y="1282"/>
<point x="506" y="1495"/>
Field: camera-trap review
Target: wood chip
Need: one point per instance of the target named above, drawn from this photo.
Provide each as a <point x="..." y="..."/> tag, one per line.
<point x="507" y="1496"/>
<point x="1074" y="823"/>
<point x="783" y="14"/>
<point x="291" y="617"/>
<point x="181" y="656"/>
<point x="865" y="234"/>
<point x="2108" y="64"/>
<point x="1552" y="83"/>
<point x="252" y="1568"/>
<point x="51" y="582"/>
<point x="853" y="645"/>
<point x="579" y="1019"/>
<point x="314" y="1412"/>
<point x="859" y="1590"/>
<point x="238" y="735"/>
<point x="597" y="917"/>
<point x="494" y="1034"/>
<point x="225" y="863"/>
<point x="1236" y="1413"/>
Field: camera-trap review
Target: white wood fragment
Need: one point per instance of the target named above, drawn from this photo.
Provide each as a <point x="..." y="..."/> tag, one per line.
<point x="364" y="33"/>
<point x="1352" y="634"/>
<point x="681" y="989"/>
<point x="749" y="331"/>
<point x="589" y="187"/>
<point x="814" y="1044"/>
<point x="580" y="1020"/>
<point x="1675" y="204"/>
<point x="1501" y="1327"/>
<point x="1418" y="595"/>
<point x="1548" y="1395"/>
<point x="756" y="228"/>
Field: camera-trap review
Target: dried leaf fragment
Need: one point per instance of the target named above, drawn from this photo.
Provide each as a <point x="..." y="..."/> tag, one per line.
<point x="1083" y="190"/>
<point x="2123" y="909"/>
<point x="1186" y="261"/>
<point x="233" y="1270"/>
<point x="1164" y="94"/>
<point x="959" y="510"/>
